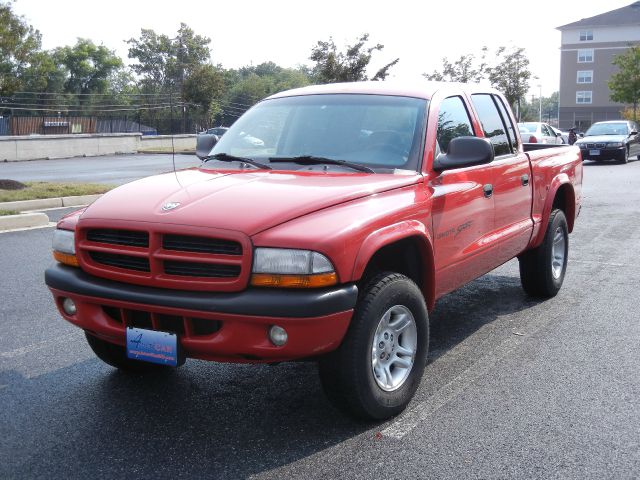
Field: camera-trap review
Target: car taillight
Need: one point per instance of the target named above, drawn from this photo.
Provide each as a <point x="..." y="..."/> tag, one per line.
<point x="533" y="139"/>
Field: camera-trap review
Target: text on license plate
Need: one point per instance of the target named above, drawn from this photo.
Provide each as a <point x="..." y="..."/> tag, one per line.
<point x="594" y="152"/>
<point x="152" y="346"/>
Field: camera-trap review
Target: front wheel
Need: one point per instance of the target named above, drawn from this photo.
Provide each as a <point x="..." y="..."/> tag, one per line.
<point x="542" y="269"/>
<point x="378" y="368"/>
<point x="624" y="158"/>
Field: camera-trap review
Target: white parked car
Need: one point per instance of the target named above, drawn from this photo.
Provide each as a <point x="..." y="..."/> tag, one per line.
<point x="537" y="132"/>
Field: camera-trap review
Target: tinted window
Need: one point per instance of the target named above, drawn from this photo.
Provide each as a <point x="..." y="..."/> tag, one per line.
<point x="492" y="125"/>
<point x="453" y="121"/>
<point x="513" y="139"/>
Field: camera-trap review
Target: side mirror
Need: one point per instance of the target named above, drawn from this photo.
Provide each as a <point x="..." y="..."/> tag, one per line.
<point x="465" y="152"/>
<point x="204" y="143"/>
<point x="559" y="134"/>
<point x="633" y="132"/>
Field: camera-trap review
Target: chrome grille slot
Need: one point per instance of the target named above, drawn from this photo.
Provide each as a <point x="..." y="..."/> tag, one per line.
<point x="200" y="269"/>
<point x="127" y="262"/>
<point x="186" y="243"/>
<point x="130" y="238"/>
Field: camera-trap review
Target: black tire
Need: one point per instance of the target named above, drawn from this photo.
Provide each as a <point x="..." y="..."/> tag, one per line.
<point x="625" y="156"/>
<point x="347" y="374"/>
<point x="116" y="356"/>
<point x="536" y="266"/>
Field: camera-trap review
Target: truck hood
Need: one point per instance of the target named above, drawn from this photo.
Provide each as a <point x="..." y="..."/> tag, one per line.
<point x="602" y="138"/>
<point x="245" y="201"/>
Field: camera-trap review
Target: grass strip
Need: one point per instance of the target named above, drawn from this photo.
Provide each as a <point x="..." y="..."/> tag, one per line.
<point x="36" y="190"/>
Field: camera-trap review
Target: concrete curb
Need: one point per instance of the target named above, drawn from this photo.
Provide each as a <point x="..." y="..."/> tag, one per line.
<point x="37" y="219"/>
<point x="24" y="220"/>
<point x="44" y="203"/>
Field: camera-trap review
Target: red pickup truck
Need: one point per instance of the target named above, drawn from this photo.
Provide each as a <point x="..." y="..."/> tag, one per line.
<point x="323" y="225"/>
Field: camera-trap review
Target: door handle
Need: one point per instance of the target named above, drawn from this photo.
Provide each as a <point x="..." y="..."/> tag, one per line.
<point x="488" y="190"/>
<point x="525" y="180"/>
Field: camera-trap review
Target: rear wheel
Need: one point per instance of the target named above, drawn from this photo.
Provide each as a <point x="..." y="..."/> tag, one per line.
<point x="378" y="368"/>
<point x="116" y="356"/>
<point x="542" y="269"/>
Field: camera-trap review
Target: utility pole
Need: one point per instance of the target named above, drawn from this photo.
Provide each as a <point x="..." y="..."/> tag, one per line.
<point x="540" y="112"/>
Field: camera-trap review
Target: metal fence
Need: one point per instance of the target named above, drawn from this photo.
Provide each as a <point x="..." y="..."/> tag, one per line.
<point x="64" y="125"/>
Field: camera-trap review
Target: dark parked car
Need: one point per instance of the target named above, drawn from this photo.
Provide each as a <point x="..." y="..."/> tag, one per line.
<point x="219" y="131"/>
<point x="612" y="140"/>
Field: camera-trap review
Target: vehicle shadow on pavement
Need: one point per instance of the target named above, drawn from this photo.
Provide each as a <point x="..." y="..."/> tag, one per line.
<point x="461" y="313"/>
<point x="205" y="419"/>
<point x="605" y="163"/>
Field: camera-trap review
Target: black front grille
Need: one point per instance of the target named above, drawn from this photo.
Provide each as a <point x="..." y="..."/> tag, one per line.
<point x="129" y="238"/>
<point x="197" y="269"/>
<point x="185" y="243"/>
<point x="165" y="323"/>
<point x="127" y="262"/>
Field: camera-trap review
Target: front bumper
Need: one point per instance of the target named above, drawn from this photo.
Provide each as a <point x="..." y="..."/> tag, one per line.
<point x="604" y="153"/>
<point x="211" y="326"/>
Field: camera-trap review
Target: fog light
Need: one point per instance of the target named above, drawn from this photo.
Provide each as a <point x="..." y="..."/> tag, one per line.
<point x="278" y="335"/>
<point x="69" y="307"/>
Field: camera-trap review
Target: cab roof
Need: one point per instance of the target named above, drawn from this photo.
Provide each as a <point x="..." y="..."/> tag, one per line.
<point x="419" y="89"/>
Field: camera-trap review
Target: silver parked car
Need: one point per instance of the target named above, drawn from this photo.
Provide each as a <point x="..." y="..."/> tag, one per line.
<point x="538" y="132"/>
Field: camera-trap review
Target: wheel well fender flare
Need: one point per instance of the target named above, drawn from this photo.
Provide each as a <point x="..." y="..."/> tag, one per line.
<point x="561" y="193"/>
<point x="390" y="234"/>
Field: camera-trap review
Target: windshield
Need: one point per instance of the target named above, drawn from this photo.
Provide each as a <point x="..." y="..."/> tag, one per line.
<point x="607" y="129"/>
<point x="379" y="131"/>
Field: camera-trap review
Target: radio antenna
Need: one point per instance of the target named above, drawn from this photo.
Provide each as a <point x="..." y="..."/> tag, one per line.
<point x="173" y="147"/>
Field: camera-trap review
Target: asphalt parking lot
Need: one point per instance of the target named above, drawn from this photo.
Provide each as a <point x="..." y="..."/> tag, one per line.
<point x="514" y="388"/>
<point x="111" y="169"/>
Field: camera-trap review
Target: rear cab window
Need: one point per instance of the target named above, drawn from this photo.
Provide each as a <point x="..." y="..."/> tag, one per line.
<point x="493" y="124"/>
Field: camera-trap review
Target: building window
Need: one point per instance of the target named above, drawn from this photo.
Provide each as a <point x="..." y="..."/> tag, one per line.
<point x="585" y="76"/>
<point x="585" y="56"/>
<point x="583" y="97"/>
<point x="586" y="35"/>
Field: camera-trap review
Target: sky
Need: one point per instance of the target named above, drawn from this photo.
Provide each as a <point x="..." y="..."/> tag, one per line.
<point x="255" y="31"/>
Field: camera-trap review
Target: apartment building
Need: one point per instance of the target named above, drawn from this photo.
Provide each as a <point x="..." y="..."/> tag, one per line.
<point x="588" y="47"/>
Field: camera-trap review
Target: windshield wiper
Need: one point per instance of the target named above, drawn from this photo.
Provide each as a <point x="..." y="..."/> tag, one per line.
<point x="225" y="157"/>
<point x="312" y="160"/>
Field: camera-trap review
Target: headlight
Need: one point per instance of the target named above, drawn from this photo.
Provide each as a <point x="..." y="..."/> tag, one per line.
<point x="284" y="267"/>
<point x="615" y="144"/>
<point x="64" y="247"/>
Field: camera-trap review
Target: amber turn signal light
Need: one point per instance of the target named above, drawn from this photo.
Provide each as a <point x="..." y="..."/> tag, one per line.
<point x="294" y="281"/>
<point x="66" y="258"/>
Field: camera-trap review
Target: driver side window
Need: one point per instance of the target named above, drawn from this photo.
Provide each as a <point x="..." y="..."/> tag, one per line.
<point x="453" y="121"/>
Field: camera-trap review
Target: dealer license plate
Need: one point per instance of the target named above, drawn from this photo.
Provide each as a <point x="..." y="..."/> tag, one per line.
<point x="594" y="152"/>
<point x="152" y="346"/>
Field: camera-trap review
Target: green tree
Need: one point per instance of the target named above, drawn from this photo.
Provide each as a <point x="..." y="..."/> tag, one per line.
<point x="333" y="66"/>
<point x="89" y="66"/>
<point x="18" y="42"/>
<point x="465" y="69"/>
<point x="508" y="72"/>
<point x="203" y="89"/>
<point x="625" y="84"/>
<point x="511" y="75"/>
<point x="165" y="63"/>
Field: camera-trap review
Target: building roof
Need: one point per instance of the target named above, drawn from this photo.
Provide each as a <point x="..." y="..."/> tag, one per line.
<point x="629" y="15"/>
